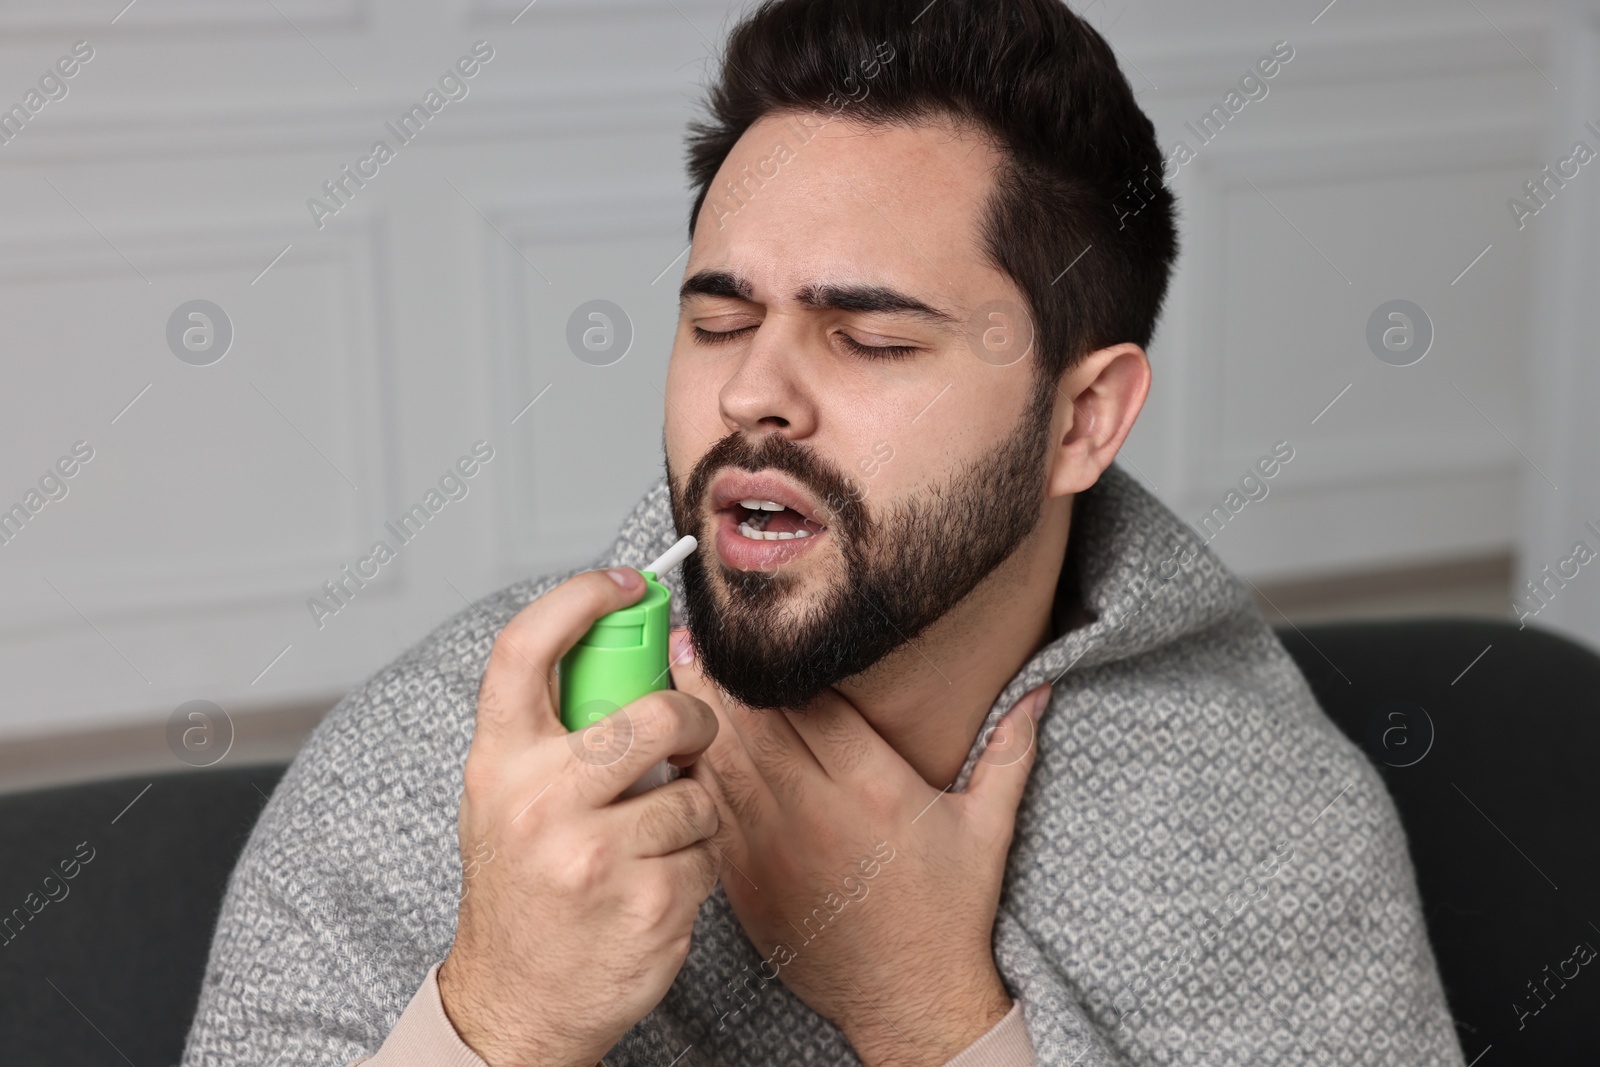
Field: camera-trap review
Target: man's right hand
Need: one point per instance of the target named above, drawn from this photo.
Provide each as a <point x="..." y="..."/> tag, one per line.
<point x="575" y="928"/>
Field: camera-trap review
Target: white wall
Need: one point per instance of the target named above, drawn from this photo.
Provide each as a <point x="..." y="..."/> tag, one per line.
<point x="1560" y="508"/>
<point x="427" y="314"/>
<point x="1376" y="168"/>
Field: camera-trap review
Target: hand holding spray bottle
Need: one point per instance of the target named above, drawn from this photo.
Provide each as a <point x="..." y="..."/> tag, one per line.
<point x="622" y="657"/>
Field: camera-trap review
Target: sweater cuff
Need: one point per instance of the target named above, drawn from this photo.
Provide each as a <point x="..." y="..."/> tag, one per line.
<point x="1007" y="1044"/>
<point x="424" y="1037"/>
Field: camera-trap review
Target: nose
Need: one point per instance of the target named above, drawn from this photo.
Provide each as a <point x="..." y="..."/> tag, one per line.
<point x="767" y="392"/>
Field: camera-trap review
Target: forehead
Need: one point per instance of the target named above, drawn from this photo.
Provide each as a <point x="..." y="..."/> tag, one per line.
<point x="804" y="198"/>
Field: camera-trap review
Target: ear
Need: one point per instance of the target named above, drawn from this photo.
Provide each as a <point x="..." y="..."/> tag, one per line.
<point x="1096" y="403"/>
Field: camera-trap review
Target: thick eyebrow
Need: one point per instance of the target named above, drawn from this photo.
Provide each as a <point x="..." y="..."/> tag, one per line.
<point x="877" y="298"/>
<point x="714" y="283"/>
<point x="872" y="298"/>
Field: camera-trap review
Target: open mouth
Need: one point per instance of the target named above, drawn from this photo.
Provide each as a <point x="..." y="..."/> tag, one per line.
<point x="765" y="520"/>
<point x="768" y="520"/>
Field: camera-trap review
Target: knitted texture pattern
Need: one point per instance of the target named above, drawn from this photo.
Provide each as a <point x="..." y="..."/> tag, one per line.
<point x="1205" y="870"/>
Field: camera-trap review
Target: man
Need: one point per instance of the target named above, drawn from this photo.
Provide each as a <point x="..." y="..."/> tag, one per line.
<point x="911" y="343"/>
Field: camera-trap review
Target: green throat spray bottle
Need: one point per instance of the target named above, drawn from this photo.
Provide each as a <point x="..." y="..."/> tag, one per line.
<point x="622" y="657"/>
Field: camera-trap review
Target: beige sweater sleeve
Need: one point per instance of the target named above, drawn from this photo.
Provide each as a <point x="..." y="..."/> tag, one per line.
<point x="1007" y="1044"/>
<point x="424" y="1038"/>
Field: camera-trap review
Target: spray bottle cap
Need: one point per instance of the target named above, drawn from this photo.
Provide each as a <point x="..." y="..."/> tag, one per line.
<point x="624" y="655"/>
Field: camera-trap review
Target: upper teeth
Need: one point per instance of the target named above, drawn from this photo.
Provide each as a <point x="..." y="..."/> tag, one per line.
<point x="761" y="505"/>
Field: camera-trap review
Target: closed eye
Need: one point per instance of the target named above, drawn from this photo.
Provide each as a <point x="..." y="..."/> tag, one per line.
<point x="877" y="351"/>
<point x="717" y="337"/>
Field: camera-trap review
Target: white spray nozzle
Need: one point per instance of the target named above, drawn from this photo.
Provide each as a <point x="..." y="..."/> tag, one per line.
<point x="672" y="556"/>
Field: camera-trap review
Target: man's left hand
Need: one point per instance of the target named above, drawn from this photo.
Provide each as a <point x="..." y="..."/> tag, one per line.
<point x="870" y="893"/>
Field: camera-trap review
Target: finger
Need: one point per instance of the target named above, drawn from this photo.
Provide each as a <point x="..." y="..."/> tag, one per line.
<point x="777" y="752"/>
<point x="844" y="742"/>
<point x="515" y="707"/>
<point x="747" y="790"/>
<point x="770" y="743"/>
<point x="730" y="841"/>
<point x="612" y="754"/>
<point x="743" y="799"/>
<point x="694" y="870"/>
<point x="1001" y="774"/>
<point x="675" y="816"/>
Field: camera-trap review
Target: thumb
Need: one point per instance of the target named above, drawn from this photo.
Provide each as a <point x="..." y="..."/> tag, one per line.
<point x="1007" y="760"/>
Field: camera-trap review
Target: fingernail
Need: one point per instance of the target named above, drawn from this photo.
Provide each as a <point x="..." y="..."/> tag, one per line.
<point x="682" y="647"/>
<point x="624" y="576"/>
<point x="1039" y="702"/>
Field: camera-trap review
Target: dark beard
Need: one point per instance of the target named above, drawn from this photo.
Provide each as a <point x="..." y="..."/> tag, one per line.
<point x="903" y="571"/>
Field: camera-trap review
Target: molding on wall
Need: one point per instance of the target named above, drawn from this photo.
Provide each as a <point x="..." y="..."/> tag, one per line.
<point x="1390" y="524"/>
<point x="1562" y="361"/>
<point x="1444" y="47"/>
<point x="181" y="127"/>
<point x="1356" y="156"/>
<point x="526" y="221"/>
<point x="154" y="586"/>
<point x="615" y="106"/>
<point x="1390" y="581"/>
<point x="67" y="17"/>
<point x="266" y="735"/>
<point x="501" y="12"/>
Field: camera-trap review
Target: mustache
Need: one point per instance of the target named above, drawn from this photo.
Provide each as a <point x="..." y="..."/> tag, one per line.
<point x="838" y="494"/>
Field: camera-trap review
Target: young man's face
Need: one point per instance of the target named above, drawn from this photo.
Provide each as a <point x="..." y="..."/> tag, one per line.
<point x="908" y="476"/>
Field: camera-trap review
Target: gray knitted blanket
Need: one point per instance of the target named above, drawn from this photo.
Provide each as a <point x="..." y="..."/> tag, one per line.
<point x="1205" y="871"/>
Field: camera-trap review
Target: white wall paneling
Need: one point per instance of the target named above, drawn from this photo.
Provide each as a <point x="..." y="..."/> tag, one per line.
<point x="1303" y="244"/>
<point x="591" y="443"/>
<point x="94" y="16"/>
<point x="416" y="321"/>
<point x="1563" y="364"/>
<point x="215" y="493"/>
<point x="1376" y="167"/>
<point x="155" y="521"/>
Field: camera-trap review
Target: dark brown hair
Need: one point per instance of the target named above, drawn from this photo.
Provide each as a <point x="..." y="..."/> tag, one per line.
<point x="1083" y="173"/>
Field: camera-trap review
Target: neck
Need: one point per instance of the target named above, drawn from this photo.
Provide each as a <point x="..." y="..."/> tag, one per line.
<point x="929" y="699"/>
